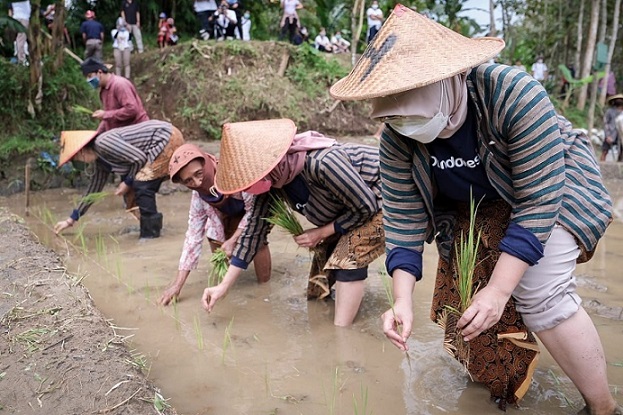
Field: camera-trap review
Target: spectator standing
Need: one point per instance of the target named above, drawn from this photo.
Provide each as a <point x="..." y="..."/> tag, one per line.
<point x="539" y="69"/>
<point x="340" y="45"/>
<point x="92" y="36"/>
<point x="375" y="20"/>
<point x="611" y="134"/>
<point x="236" y="6"/>
<point x="205" y="10"/>
<point x="132" y="16"/>
<point x="322" y="41"/>
<point x="122" y="48"/>
<point x="20" y="11"/>
<point x="290" y="19"/>
<point x="245" y="23"/>
<point x="226" y="22"/>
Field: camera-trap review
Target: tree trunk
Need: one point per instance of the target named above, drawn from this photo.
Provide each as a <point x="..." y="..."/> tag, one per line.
<point x="578" y="45"/>
<point x="492" y="30"/>
<point x="589" y="52"/>
<point x="356" y="27"/>
<point x="34" y="49"/>
<point x="613" y="41"/>
<point x="602" y="39"/>
<point x="58" y="34"/>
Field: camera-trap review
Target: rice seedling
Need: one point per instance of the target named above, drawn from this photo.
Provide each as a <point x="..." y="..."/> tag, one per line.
<point x="466" y="249"/>
<point x="198" y="333"/>
<point x="334" y="391"/>
<point x="219" y="263"/>
<point x="93" y="198"/>
<point x="118" y="269"/>
<point x="160" y="404"/>
<point x="389" y="293"/>
<point x="139" y="361"/>
<point x="80" y="237"/>
<point x="100" y="247"/>
<point x="363" y="393"/>
<point x="281" y="215"/>
<point x="81" y="110"/>
<point x="227" y="339"/>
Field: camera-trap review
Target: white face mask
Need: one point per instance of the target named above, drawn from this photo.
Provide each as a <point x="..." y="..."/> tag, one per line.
<point x="423" y="130"/>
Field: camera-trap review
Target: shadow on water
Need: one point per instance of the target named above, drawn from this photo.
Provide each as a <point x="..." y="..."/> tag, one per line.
<point x="266" y="350"/>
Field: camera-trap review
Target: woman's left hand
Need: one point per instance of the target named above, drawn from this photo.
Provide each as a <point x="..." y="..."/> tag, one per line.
<point x="486" y="310"/>
<point x="122" y="189"/>
<point x="313" y="237"/>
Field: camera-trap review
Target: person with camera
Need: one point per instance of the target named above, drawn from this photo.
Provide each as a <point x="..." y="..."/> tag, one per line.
<point x="226" y="22"/>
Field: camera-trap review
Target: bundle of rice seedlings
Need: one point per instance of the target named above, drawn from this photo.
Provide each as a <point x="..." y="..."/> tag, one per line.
<point x="466" y="250"/>
<point x="281" y="215"/>
<point x="81" y="109"/>
<point x="93" y="198"/>
<point x="219" y="263"/>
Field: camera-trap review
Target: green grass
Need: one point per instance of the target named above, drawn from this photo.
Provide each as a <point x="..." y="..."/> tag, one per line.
<point x="198" y="333"/>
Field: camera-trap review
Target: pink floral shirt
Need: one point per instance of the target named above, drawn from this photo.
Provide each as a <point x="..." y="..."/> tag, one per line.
<point x="204" y="221"/>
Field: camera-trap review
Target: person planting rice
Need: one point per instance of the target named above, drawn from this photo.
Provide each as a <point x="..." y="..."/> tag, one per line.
<point x="335" y="186"/>
<point x="543" y="206"/>
<point x="221" y="218"/>
<point x="138" y="153"/>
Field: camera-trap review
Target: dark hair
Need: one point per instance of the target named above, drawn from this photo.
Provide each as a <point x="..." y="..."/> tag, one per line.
<point x="91" y="65"/>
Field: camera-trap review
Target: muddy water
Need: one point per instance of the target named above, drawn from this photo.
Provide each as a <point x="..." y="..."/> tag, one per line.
<point x="266" y="350"/>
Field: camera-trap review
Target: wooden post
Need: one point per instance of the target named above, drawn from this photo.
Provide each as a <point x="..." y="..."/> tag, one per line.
<point x="27" y="185"/>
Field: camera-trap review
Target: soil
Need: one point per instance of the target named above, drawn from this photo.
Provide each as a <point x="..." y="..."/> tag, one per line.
<point x="58" y="354"/>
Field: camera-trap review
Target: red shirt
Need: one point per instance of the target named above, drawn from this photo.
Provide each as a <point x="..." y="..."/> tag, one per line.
<point x="122" y="105"/>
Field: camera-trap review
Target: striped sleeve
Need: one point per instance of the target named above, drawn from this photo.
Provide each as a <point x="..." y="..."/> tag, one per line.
<point x="256" y="231"/>
<point x="98" y="181"/>
<point x="524" y="118"/>
<point x="405" y="218"/>
<point x="112" y="147"/>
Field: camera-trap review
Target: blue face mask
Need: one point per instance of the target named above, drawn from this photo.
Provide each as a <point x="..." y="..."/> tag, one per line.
<point x="246" y="15"/>
<point x="94" y="82"/>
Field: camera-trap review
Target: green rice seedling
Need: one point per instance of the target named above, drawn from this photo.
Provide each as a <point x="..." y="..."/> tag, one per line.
<point x="94" y="198"/>
<point x="81" y="110"/>
<point x="100" y="247"/>
<point x="198" y="333"/>
<point x="363" y="393"/>
<point x="334" y="391"/>
<point x="139" y="361"/>
<point x="281" y="215"/>
<point x="466" y="250"/>
<point x="219" y="263"/>
<point x="80" y="237"/>
<point x="389" y="293"/>
<point x="118" y="269"/>
<point x="227" y="339"/>
<point x="160" y="404"/>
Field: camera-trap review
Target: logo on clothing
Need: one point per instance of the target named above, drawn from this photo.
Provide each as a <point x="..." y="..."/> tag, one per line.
<point x="455" y="163"/>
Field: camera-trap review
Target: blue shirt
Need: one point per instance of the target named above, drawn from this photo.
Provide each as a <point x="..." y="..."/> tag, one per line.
<point x="92" y="29"/>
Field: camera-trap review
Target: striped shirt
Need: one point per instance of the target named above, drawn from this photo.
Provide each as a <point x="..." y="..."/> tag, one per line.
<point x="125" y="151"/>
<point x="533" y="158"/>
<point x="344" y="187"/>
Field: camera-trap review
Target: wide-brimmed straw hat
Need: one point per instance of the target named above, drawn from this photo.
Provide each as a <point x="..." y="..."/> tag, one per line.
<point x="612" y="98"/>
<point x="72" y="142"/>
<point x="411" y="51"/>
<point x="250" y="150"/>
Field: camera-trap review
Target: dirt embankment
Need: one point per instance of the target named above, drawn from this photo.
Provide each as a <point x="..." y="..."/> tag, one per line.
<point x="58" y="354"/>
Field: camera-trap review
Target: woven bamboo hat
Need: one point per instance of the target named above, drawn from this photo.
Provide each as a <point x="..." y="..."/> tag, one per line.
<point x="411" y="51"/>
<point x="72" y="142"/>
<point x="612" y="98"/>
<point x="249" y="151"/>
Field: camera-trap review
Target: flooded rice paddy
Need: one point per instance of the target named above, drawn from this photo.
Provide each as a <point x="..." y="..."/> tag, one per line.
<point x="267" y="350"/>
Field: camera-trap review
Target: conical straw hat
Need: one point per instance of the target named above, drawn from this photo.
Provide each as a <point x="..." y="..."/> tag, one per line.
<point x="249" y="151"/>
<point x="72" y="142"/>
<point x="410" y="51"/>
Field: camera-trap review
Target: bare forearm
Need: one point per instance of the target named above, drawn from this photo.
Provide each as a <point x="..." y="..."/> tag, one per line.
<point x="403" y="285"/>
<point x="507" y="273"/>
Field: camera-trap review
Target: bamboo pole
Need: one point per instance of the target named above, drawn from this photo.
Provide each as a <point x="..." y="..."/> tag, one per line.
<point x="27" y="186"/>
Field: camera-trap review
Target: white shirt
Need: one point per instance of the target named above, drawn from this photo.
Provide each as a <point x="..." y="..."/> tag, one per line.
<point x="322" y="40"/>
<point x="122" y="39"/>
<point x="21" y="10"/>
<point x="373" y="22"/>
<point x="223" y="22"/>
<point x="339" y="42"/>
<point x="538" y="71"/>
<point x="246" y="29"/>
<point x="289" y="6"/>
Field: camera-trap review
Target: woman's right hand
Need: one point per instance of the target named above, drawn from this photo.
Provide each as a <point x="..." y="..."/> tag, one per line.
<point x="170" y="294"/>
<point x="211" y="295"/>
<point x="62" y="225"/>
<point x="397" y="323"/>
